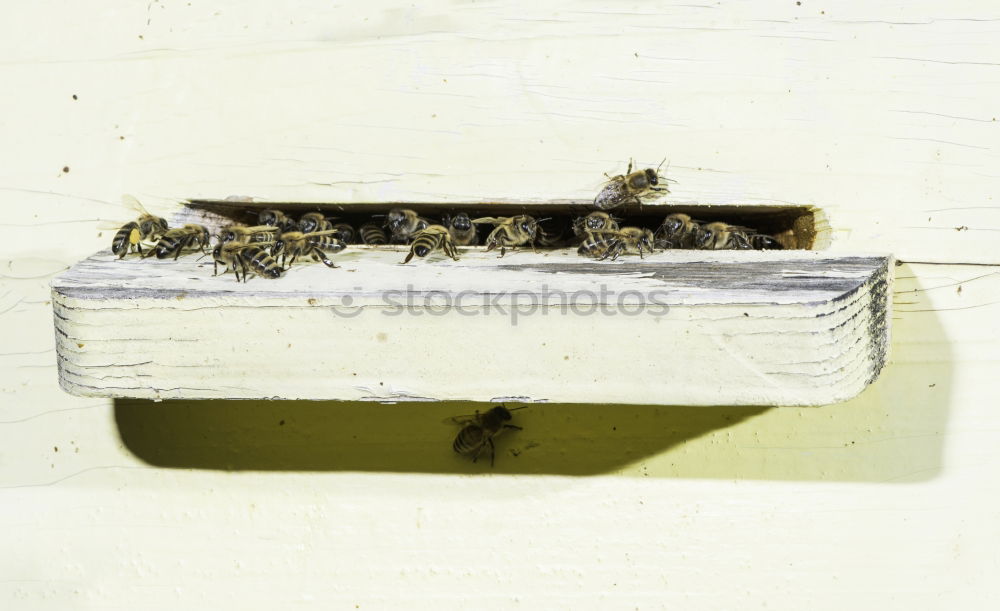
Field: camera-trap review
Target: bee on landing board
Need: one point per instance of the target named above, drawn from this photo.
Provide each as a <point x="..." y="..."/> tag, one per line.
<point x="130" y="235"/>
<point x="462" y="229"/>
<point x="372" y="234"/>
<point x="630" y="187"/>
<point x="722" y="236"/>
<point x="761" y="241"/>
<point x="677" y="231"/>
<point x="312" y="222"/>
<point x="293" y="244"/>
<point x="479" y="430"/>
<point x="236" y="256"/>
<point x="345" y="232"/>
<point x="611" y="244"/>
<point x="174" y="241"/>
<point x="403" y="224"/>
<point x="244" y="235"/>
<point x="276" y="218"/>
<point x="511" y="231"/>
<point x="595" y="221"/>
<point x="434" y="237"/>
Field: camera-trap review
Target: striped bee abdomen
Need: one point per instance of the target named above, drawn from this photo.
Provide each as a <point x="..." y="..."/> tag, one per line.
<point x="373" y="234"/>
<point x="469" y="440"/>
<point x="260" y="262"/>
<point x="128" y="235"/>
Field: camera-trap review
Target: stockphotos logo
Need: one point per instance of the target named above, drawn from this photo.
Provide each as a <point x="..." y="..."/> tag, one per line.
<point x="515" y="304"/>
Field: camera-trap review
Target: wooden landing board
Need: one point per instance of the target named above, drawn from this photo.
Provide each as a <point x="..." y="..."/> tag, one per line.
<point x="678" y="327"/>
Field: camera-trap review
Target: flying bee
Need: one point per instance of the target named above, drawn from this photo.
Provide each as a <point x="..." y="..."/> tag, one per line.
<point x="293" y="244"/>
<point x="511" y="231"/>
<point x="129" y="236"/>
<point x="276" y="218"/>
<point x="630" y="187"/>
<point x="176" y="240"/>
<point x="479" y="430"/>
<point x="722" y="236"/>
<point x="433" y="237"/>
<point x="345" y="232"/>
<point x="243" y="235"/>
<point x="236" y="256"/>
<point x="677" y="231"/>
<point x="372" y="234"/>
<point x="404" y="223"/>
<point x="595" y="221"/>
<point x="611" y="244"/>
<point x="314" y="221"/>
<point x="462" y="229"/>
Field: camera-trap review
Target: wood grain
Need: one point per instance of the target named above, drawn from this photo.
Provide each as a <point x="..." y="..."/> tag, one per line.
<point x="765" y="328"/>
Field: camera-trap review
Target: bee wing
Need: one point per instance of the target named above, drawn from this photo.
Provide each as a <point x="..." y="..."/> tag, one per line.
<point x="131" y="202"/>
<point x="326" y="232"/>
<point x="488" y="219"/>
<point x="235" y="246"/>
<point x="110" y="224"/>
<point x="463" y="420"/>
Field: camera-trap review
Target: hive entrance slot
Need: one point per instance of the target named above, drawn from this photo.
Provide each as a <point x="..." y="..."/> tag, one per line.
<point x="795" y="227"/>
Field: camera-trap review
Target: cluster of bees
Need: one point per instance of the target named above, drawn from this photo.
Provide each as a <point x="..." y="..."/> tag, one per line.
<point x="277" y="241"/>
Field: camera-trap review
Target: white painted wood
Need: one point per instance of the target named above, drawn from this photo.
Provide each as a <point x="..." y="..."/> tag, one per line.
<point x="760" y="328"/>
<point x="875" y="115"/>
<point x="889" y="500"/>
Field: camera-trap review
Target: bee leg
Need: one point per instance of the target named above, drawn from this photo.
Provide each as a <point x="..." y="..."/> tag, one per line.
<point x="493" y="452"/>
<point x="513" y="426"/>
<point x="629" y="170"/>
<point x="319" y="255"/>
<point x="138" y="247"/>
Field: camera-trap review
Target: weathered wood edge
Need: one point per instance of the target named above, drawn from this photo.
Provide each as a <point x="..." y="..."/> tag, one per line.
<point x="874" y="288"/>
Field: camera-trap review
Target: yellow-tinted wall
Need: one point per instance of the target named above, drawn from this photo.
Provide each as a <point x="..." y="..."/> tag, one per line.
<point x="882" y="117"/>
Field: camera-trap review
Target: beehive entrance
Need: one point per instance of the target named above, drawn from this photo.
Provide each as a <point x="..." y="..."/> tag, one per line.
<point x="795" y="227"/>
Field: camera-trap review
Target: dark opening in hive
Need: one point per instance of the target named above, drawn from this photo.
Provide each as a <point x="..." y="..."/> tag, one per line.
<point x="795" y="227"/>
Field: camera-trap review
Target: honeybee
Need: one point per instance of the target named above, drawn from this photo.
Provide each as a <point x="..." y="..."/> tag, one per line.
<point x="722" y="236"/>
<point x="276" y="218"/>
<point x="176" y="240"/>
<point x="595" y="221"/>
<point x="551" y="235"/>
<point x="314" y="221"/>
<point x="236" y="256"/>
<point x="292" y="244"/>
<point x="462" y="229"/>
<point x="243" y="234"/>
<point x="404" y="223"/>
<point x="630" y="187"/>
<point x="130" y="235"/>
<point x="372" y="234"/>
<point x="432" y="238"/>
<point x="511" y="231"/>
<point x="761" y="241"/>
<point x="677" y="231"/>
<point x="345" y="232"/>
<point x="605" y="244"/>
<point x="479" y="430"/>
